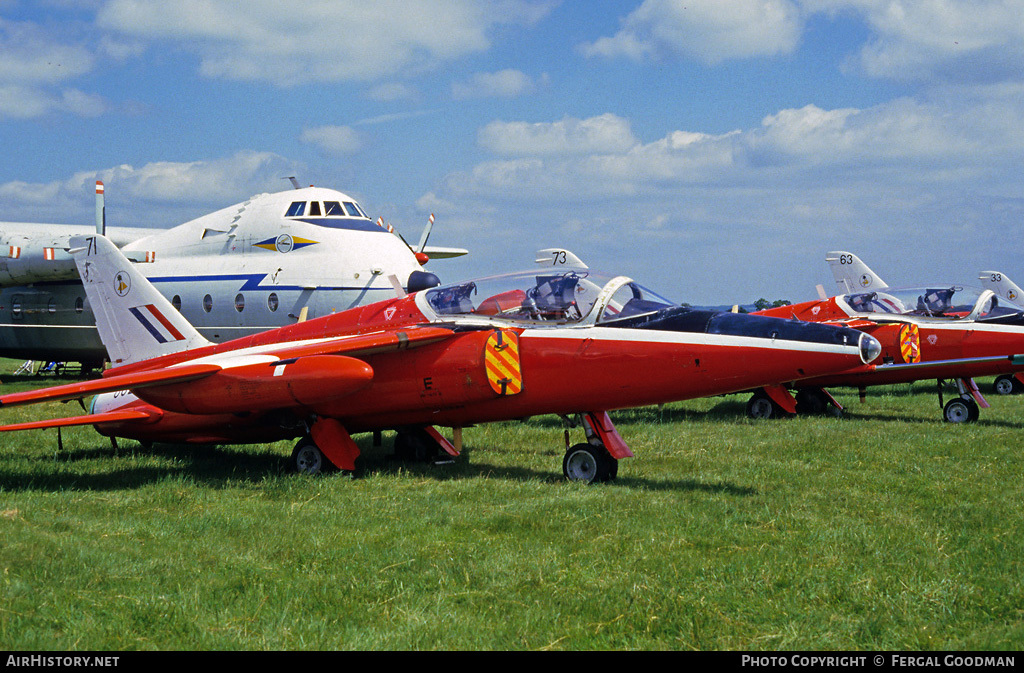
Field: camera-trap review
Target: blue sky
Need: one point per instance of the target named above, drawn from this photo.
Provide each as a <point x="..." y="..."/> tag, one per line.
<point x="714" y="150"/>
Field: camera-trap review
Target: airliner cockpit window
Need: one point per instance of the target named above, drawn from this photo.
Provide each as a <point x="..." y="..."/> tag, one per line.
<point x="353" y="210"/>
<point x="314" y="209"/>
<point x="297" y="209"/>
<point x="333" y="209"/>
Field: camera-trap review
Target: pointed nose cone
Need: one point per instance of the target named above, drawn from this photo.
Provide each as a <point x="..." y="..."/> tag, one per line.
<point x="870" y="348"/>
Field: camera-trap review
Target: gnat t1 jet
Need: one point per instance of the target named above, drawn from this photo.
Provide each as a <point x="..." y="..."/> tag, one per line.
<point x="559" y="340"/>
<point x="270" y="261"/>
<point x="942" y="332"/>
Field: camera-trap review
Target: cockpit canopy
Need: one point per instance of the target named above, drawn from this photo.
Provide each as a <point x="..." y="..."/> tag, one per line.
<point x="563" y="297"/>
<point x="945" y="303"/>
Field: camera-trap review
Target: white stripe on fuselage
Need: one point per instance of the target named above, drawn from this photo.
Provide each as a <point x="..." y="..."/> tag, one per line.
<point x="628" y="335"/>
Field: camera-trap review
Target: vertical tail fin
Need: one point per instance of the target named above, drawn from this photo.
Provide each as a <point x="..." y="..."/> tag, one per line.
<point x="135" y="321"/>
<point x="1002" y="286"/>
<point x="853" y="275"/>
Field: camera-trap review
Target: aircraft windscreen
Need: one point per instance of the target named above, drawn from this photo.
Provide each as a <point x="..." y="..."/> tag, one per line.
<point x="632" y="300"/>
<point x="559" y="297"/>
<point x="950" y="302"/>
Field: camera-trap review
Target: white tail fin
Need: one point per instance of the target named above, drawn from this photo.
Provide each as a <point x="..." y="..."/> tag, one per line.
<point x="558" y="257"/>
<point x="853" y="275"/>
<point x="1002" y="286"/>
<point x="135" y="321"/>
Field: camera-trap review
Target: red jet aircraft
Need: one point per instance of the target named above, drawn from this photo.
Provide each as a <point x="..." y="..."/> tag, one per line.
<point x="942" y="332"/>
<point x="567" y="341"/>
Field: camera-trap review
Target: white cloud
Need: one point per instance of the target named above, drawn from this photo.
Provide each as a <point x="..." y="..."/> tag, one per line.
<point x="327" y="41"/>
<point x="506" y="83"/>
<point x="941" y="172"/>
<point x="605" y="133"/>
<point x="333" y="139"/>
<point x="708" y="30"/>
<point x="966" y="41"/>
<point x="24" y="102"/>
<point x="33" y="67"/>
<point x="181" y="190"/>
<point x="30" y="54"/>
<point x="389" y="92"/>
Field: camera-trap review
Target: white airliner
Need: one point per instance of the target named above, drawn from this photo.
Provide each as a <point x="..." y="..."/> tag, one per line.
<point x="269" y="261"/>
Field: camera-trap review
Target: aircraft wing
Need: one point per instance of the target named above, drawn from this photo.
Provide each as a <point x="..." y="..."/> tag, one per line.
<point x="1010" y="360"/>
<point x="108" y="384"/>
<point x="362" y="344"/>
<point x="93" y="419"/>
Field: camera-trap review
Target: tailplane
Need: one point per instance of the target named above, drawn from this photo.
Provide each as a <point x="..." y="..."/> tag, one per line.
<point x="853" y="275"/>
<point x="135" y="321"/>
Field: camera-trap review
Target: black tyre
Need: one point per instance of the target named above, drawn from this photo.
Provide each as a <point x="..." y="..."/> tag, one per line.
<point x="811" y="401"/>
<point x="415" y="446"/>
<point x="960" y="410"/>
<point x="760" y="407"/>
<point x="1004" y="385"/>
<point x="589" y="464"/>
<point x="307" y="458"/>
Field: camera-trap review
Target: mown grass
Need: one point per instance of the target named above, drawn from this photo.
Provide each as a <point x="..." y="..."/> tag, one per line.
<point x="887" y="529"/>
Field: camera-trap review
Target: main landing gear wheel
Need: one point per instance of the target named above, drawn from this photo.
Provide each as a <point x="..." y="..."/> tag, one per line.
<point x="960" y="410"/>
<point x="415" y="446"/>
<point x="761" y="406"/>
<point x="307" y="458"/>
<point x="589" y="464"/>
<point x="1006" y="385"/>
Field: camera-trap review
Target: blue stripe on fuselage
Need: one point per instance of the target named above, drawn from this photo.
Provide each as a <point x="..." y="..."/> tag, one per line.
<point x="342" y="223"/>
<point x="251" y="281"/>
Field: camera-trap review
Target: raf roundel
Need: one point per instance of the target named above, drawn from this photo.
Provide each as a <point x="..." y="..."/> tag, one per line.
<point x="122" y="284"/>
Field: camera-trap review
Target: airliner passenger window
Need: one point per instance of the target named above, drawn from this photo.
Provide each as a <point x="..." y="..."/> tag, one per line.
<point x="207" y="303"/>
<point x="297" y="209"/>
<point x="272" y="301"/>
<point x="239" y="303"/>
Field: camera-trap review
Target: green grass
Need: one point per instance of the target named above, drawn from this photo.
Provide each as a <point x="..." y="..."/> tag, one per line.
<point x="887" y="529"/>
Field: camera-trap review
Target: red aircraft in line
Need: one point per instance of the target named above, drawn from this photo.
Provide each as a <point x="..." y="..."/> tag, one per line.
<point x="940" y="332"/>
<point x="559" y="340"/>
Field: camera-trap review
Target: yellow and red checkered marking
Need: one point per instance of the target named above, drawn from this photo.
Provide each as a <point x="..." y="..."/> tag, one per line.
<point x="910" y="343"/>
<point x="501" y="359"/>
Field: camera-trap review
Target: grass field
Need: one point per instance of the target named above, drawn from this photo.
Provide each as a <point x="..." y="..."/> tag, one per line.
<point x="887" y="529"/>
